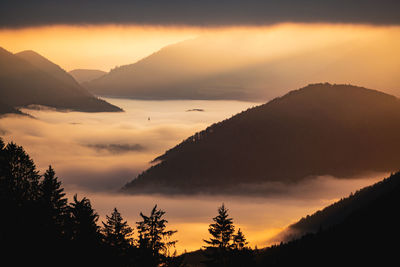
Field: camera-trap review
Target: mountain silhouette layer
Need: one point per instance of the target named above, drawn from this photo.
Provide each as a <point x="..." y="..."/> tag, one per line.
<point x="86" y="75"/>
<point x="341" y="210"/>
<point x="321" y="129"/>
<point x="218" y="67"/>
<point x="360" y="230"/>
<point x="27" y="78"/>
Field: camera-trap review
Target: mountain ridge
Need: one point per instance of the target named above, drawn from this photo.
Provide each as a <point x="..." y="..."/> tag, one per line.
<point x="321" y="129"/>
<point x="28" y="78"/>
<point x="86" y="75"/>
<point x="216" y="67"/>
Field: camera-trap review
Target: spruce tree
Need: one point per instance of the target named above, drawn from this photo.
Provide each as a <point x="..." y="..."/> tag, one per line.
<point x="116" y="231"/>
<point x="218" y="251"/>
<point x="84" y="232"/>
<point x="19" y="174"/>
<point x="52" y="199"/>
<point x="83" y="221"/>
<point x="221" y="230"/>
<point x="154" y="240"/>
<point x="239" y="241"/>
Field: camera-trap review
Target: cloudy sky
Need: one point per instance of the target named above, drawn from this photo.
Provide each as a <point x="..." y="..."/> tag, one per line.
<point x="196" y="13"/>
<point x="104" y="34"/>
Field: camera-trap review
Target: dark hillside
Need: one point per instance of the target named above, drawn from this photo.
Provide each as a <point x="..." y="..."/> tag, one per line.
<point x="321" y="129"/>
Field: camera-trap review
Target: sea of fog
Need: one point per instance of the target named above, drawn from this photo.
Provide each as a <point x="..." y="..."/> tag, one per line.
<point x="95" y="154"/>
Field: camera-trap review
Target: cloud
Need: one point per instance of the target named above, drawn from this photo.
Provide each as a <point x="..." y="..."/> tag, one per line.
<point x="260" y="217"/>
<point x="22" y="13"/>
<point x="116" y="148"/>
<point x="104" y="151"/>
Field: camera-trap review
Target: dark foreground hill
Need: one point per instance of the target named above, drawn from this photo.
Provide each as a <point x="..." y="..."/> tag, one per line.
<point x="359" y="230"/>
<point x="341" y="210"/>
<point x="27" y="78"/>
<point x="321" y="129"/>
<point x="366" y="234"/>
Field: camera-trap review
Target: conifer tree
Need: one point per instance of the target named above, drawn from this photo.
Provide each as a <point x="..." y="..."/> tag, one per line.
<point x="84" y="233"/>
<point x="220" y="244"/>
<point x="19" y="183"/>
<point x="116" y="231"/>
<point x="221" y="230"/>
<point x="21" y="179"/>
<point x="239" y="241"/>
<point x="84" y="221"/>
<point x="52" y="199"/>
<point x="154" y="239"/>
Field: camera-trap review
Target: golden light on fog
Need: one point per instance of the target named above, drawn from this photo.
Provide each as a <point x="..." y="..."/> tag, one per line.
<point x="371" y="49"/>
<point x="96" y="174"/>
<point x="92" y="47"/>
<point x="104" y="47"/>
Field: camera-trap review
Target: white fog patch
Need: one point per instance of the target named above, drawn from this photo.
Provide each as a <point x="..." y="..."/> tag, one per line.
<point x="103" y="151"/>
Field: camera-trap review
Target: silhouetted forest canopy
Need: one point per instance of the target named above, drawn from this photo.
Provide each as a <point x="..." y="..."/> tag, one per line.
<point x="40" y="226"/>
<point x="321" y="129"/>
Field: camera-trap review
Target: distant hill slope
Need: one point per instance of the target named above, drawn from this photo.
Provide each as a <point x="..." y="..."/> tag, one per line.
<point x="321" y="129"/>
<point x="257" y="70"/>
<point x="29" y="79"/>
<point x="341" y="210"/>
<point x="84" y="75"/>
<point x="361" y="230"/>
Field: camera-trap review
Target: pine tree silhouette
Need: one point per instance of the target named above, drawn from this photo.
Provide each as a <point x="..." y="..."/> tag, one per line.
<point x="239" y="241"/>
<point x="116" y="231"/>
<point x="220" y="242"/>
<point x="52" y="200"/>
<point x="84" y="220"/>
<point x="222" y="230"/>
<point x="154" y="240"/>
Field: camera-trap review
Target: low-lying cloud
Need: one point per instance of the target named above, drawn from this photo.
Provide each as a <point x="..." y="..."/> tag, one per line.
<point x="52" y="139"/>
<point x="22" y="13"/>
<point x="116" y="148"/>
<point x="260" y="217"/>
<point x="103" y="151"/>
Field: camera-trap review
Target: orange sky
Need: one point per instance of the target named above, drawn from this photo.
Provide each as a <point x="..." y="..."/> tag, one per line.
<point x="97" y="47"/>
<point x="104" y="47"/>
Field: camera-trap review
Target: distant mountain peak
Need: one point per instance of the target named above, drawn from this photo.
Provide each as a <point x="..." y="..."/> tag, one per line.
<point x="27" y="78"/>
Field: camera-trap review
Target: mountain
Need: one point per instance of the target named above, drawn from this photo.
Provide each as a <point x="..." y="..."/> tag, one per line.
<point x="27" y="78"/>
<point x="84" y="75"/>
<point x="321" y="129"/>
<point x="339" y="211"/>
<point x="360" y="230"/>
<point x="250" y="68"/>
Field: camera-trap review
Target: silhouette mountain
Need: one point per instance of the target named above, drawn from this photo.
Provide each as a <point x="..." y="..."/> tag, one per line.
<point x="360" y="230"/>
<point x="27" y="78"/>
<point x="85" y="75"/>
<point x="218" y="68"/>
<point x="321" y="129"/>
<point x="339" y="211"/>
